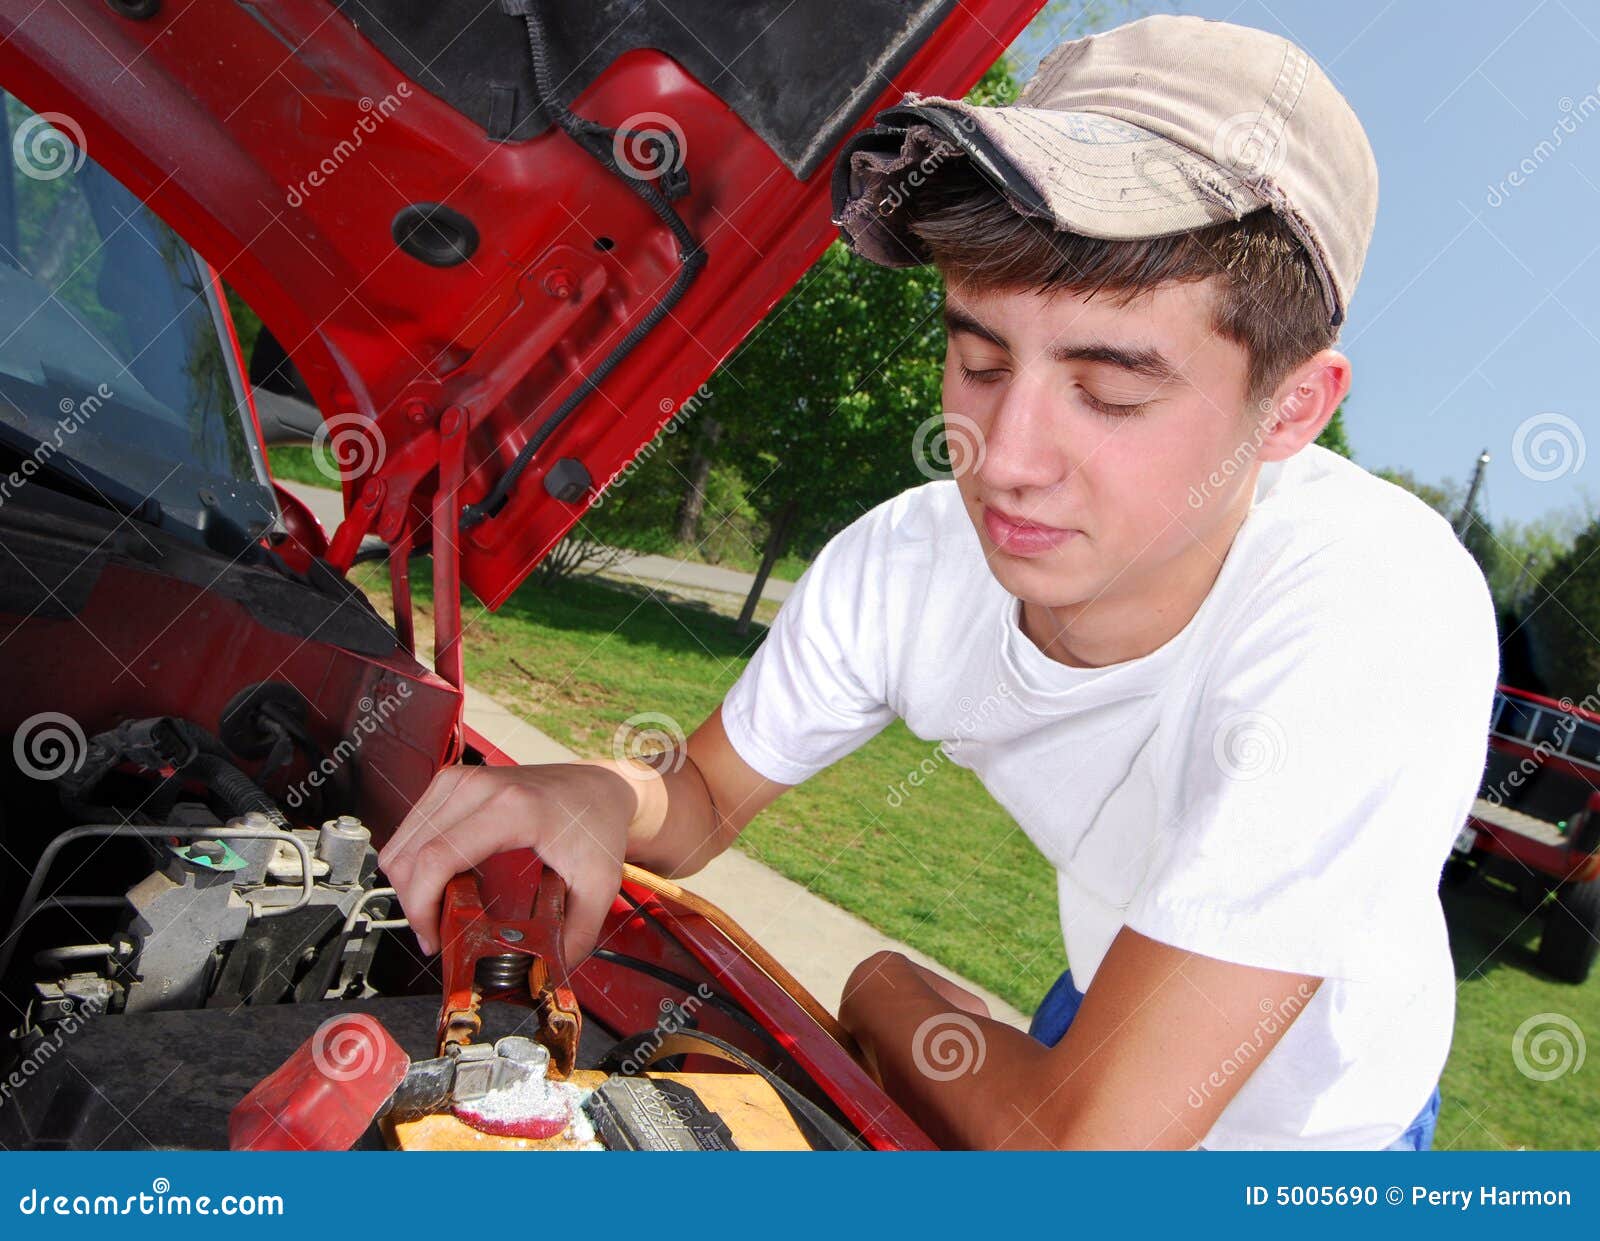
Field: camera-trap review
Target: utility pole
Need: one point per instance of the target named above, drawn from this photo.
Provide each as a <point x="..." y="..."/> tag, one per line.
<point x="1464" y="519"/>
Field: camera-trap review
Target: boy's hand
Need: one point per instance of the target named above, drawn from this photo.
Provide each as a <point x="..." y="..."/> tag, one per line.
<point x="671" y="815"/>
<point x="575" y="816"/>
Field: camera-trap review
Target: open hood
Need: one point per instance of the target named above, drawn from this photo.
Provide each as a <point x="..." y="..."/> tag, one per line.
<point x="447" y="268"/>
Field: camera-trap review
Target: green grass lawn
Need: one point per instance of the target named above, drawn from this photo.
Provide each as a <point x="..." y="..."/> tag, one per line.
<point x="948" y="872"/>
<point x="294" y="463"/>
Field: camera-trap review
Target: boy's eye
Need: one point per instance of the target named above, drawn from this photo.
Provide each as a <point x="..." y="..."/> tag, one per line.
<point x="1112" y="411"/>
<point x="968" y="375"/>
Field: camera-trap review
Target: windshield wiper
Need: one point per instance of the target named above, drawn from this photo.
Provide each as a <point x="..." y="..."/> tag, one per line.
<point x="51" y="464"/>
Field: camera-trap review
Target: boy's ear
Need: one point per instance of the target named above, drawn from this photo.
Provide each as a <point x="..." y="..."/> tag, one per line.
<point x="1296" y="412"/>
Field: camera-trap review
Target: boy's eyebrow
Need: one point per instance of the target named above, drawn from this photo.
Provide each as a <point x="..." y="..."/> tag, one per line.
<point x="1151" y="363"/>
<point x="958" y="320"/>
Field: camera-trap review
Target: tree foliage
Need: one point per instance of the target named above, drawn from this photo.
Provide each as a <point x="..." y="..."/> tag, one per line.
<point x="1564" y="615"/>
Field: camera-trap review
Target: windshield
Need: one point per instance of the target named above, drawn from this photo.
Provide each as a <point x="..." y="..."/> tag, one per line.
<point x="113" y="362"/>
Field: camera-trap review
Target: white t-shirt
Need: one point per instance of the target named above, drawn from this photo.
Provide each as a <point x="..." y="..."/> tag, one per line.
<point x="1278" y="785"/>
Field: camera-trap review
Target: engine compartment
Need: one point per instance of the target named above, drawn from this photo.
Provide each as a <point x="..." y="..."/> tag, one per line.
<point x="184" y="829"/>
<point x="190" y="814"/>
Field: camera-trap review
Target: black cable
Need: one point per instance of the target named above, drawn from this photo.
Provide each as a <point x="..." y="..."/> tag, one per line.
<point x="824" y="1099"/>
<point x="725" y="1004"/>
<point x="597" y="139"/>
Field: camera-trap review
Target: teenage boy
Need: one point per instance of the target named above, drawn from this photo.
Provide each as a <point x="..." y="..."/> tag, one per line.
<point x="1235" y="688"/>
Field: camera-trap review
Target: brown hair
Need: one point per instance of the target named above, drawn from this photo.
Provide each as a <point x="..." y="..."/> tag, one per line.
<point x="1268" y="299"/>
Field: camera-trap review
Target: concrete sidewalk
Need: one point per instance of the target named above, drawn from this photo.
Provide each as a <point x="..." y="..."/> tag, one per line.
<point x="818" y="942"/>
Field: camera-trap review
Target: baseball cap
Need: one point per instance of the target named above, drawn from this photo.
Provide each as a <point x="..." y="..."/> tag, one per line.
<point x="1160" y="126"/>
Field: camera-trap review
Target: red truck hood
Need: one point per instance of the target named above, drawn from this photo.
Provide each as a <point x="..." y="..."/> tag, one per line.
<point x="296" y="144"/>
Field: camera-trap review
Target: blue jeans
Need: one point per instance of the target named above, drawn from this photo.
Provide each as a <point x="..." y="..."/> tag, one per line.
<point x="1060" y="1006"/>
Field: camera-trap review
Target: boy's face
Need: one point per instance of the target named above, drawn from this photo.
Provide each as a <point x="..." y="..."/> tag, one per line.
<point x="1092" y="431"/>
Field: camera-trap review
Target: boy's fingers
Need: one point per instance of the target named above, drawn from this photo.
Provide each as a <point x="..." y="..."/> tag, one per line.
<point x="438" y="861"/>
<point x="436" y="804"/>
<point x="589" y="898"/>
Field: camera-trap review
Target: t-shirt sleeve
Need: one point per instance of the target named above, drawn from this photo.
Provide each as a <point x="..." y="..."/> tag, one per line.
<point x="816" y="688"/>
<point x="1327" y="764"/>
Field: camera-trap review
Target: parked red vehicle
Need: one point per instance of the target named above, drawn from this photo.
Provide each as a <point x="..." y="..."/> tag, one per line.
<point x="1536" y="822"/>
<point x="500" y="250"/>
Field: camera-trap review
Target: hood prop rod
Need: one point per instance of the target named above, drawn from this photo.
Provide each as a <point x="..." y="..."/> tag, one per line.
<point x="598" y="140"/>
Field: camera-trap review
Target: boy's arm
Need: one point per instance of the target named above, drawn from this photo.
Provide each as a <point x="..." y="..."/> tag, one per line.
<point x="584" y="819"/>
<point x="1163" y="1041"/>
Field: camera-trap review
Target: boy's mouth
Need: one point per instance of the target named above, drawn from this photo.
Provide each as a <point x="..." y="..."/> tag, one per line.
<point x="1018" y="537"/>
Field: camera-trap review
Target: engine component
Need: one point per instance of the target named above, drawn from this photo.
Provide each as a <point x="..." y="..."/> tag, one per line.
<point x="342" y="844"/>
<point x="240" y="914"/>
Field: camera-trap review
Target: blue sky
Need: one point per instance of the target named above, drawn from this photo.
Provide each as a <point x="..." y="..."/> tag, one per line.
<point x="1478" y="314"/>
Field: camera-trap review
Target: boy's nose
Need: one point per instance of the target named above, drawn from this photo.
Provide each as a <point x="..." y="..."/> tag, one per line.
<point x="1021" y="446"/>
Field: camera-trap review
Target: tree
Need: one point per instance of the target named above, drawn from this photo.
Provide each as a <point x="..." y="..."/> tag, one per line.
<point x="1564" y="616"/>
<point x="821" y="403"/>
<point x="1528" y="551"/>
